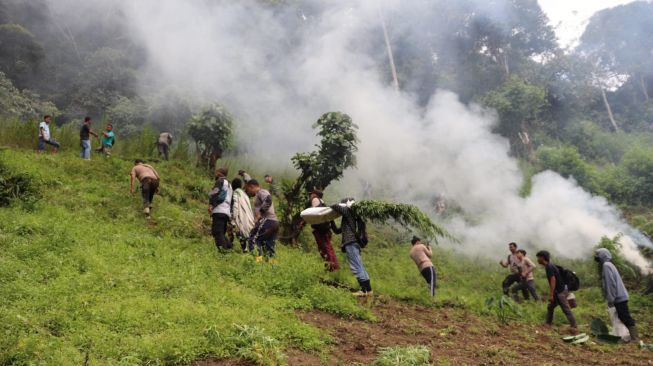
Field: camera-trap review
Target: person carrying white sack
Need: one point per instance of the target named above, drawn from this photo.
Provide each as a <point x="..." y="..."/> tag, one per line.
<point x="614" y="290"/>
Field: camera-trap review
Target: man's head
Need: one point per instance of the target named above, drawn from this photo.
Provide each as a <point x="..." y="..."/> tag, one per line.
<point x="109" y="127"/>
<point x="521" y="253"/>
<point x="252" y="187"/>
<point x="316" y="193"/>
<point x="415" y="240"/>
<point x="138" y="162"/>
<point x="241" y="172"/>
<point x="87" y="120"/>
<point x="543" y="257"/>
<point x="512" y="247"/>
<point x="47" y="118"/>
<point x="268" y="179"/>
<point x="221" y="172"/>
<point x="236" y="183"/>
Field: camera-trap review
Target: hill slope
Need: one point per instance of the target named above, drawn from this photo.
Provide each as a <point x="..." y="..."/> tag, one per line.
<point x="85" y="279"/>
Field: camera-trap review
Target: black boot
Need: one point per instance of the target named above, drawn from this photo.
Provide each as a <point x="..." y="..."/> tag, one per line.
<point x="366" y="286"/>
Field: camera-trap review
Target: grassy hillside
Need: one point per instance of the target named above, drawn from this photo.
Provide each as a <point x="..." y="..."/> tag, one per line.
<point x="85" y="279"/>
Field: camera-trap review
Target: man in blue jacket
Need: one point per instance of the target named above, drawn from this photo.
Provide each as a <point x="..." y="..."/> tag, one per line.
<point x="614" y="290"/>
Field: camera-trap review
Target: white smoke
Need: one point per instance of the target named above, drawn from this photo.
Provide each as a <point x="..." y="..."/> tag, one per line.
<point x="278" y="78"/>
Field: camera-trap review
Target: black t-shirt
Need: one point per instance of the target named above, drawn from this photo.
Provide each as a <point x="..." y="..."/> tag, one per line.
<point x="552" y="271"/>
<point x="84" y="132"/>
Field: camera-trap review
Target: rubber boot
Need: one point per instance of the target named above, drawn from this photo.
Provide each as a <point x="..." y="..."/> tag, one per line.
<point x="634" y="337"/>
<point x="367" y="287"/>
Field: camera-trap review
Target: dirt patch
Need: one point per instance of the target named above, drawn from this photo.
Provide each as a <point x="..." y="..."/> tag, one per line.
<point x="455" y="337"/>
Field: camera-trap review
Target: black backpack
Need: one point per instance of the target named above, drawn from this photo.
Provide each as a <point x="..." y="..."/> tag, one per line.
<point x="569" y="278"/>
<point x="361" y="232"/>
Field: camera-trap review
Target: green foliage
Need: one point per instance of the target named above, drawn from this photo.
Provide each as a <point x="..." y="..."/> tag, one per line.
<point x="212" y="130"/>
<point x="404" y="356"/>
<point x="20" y="53"/>
<point x="566" y="161"/>
<point x="319" y="168"/>
<point x="520" y="106"/>
<point x="251" y="343"/>
<point x="404" y="214"/>
<point x="25" y="105"/>
<point x="17" y="187"/>
<point x="127" y="115"/>
<point x="504" y="308"/>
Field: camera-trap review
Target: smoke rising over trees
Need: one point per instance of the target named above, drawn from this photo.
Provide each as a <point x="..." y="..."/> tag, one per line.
<point x="275" y="65"/>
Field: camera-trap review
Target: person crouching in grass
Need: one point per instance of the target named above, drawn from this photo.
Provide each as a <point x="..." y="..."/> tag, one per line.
<point x="421" y="254"/>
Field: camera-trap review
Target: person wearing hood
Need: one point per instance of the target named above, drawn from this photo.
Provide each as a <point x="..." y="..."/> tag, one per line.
<point x="614" y="290"/>
<point x="351" y="244"/>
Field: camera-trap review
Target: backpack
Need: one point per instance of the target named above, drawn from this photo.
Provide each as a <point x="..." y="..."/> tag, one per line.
<point x="217" y="198"/>
<point x="569" y="278"/>
<point x="361" y="232"/>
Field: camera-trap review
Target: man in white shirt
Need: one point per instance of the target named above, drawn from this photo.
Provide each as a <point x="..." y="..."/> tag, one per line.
<point x="44" y="136"/>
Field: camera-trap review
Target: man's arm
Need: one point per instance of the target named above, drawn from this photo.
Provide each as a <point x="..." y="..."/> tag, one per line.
<point x="552" y="287"/>
<point x="92" y="132"/>
<point x="267" y="203"/>
<point x="428" y="251"/>
<point x="131" y="181"/>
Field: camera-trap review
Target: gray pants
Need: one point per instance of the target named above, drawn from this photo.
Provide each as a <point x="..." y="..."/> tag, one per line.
<point x="560" y="299"/>
<point x="163" y="150"/>
<point x="528" y="285"/>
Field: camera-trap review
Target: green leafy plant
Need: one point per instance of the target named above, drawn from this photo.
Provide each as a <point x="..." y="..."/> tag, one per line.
<point x="404" y="214"/>
<point x="504" y="308"/>
<point x="212" y="130"/>
<point x="318" y="169"/>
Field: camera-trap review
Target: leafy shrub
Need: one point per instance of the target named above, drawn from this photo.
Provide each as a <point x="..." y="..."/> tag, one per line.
<point x="567" y="162"/>
<point x="504" y="308"/>
<point x="16" y="186"/>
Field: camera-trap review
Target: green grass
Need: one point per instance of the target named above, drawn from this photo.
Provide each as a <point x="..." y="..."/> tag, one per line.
<point x="84" y="276"/>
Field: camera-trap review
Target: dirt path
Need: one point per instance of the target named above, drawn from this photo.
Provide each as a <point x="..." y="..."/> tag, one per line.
<point x="455" y="336"/>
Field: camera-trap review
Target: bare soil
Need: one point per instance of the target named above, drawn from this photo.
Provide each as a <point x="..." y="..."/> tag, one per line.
<point x="455" y="337"/>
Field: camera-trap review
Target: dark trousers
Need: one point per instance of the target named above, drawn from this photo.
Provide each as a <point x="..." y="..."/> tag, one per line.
<point x="510" y="279"/>
<point x="560" y="299"/>
<point x="163" y="150"/>
<point x="326" y="249"/>
<point x="624" y="314"/>
<point x="264" y="236"/>
<point x="219" y="230"/>
<point x="526" y="287"/>
<point x="149" y="186"/>
<point x="429" y="275"/>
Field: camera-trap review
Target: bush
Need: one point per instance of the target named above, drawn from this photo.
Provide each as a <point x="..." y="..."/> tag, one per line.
<point x="16" y="187"/>
<point x="567" y="162"/>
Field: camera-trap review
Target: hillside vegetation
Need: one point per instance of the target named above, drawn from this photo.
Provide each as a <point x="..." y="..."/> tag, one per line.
<point x="85" y="279"/>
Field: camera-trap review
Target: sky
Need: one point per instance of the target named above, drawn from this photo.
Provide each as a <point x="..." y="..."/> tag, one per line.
<point x="569" y="17"/>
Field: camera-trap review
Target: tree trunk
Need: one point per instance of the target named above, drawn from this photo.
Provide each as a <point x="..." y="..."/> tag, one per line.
<point x="395" y="80"/>
<point x="642" y="83"/>
<point x="607" y="107"/>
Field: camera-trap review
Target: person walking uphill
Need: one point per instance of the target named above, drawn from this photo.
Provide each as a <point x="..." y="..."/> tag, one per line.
<point x="85" y="139"/>
<point x="614" y="290"/>
<point x="149" y="179"/>
<point x="264" y="233"/>
<point x="44" y="136"/>
<point x="557" y="290"/>
<point x="421" y="254"/>
<point x="513" y="262"/>
<point x="220" y="209"/>
<point x="242" y="217"/>
<point x="353" y="237"/>
<point x="527" y="280"/>
<point x="322" y="234"/>
<point x="163" y="145"/>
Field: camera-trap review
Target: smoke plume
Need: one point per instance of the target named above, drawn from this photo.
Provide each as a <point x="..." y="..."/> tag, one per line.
<point x="277" y="78"/>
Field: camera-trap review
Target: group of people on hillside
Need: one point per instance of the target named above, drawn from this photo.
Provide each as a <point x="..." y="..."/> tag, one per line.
<point x="521" y="274"/>
<point x="107" y="139"/>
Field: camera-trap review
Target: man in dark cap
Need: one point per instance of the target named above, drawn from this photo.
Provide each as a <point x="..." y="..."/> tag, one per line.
<point x="322" y="234"/>
<point x="421" y="254"/>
